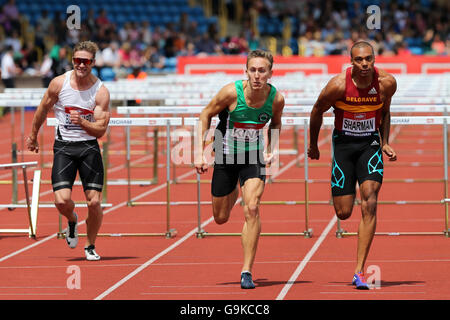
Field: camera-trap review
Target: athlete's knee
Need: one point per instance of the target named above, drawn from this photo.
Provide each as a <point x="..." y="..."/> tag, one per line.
<point x="62" y="202"/>
<point x="93" y="199"/>
<point x="369" y="206"/>
<point x="251" y="210"/>
<point x="221" y="217"/>
<point x="221" y="213"/>
<point x="343" y="213"/>
<point x="93" y="202"/>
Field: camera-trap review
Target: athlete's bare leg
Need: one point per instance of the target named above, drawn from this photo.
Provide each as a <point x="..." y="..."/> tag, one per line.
<point x="252" y="191"/>
<point x="64" y="203"/>
<point x="222" y="206"/>
<point x="95" y="215"/>
<point x="369" y="194"/>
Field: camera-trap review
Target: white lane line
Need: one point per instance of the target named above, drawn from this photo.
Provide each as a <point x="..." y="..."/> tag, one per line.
<point x="370" y="292"/>
<point x="305" y="260"/>
<point x="149" y="262"/>
<point x="168" y="264"/>
<point x="33" y="294"/>
<point x="188" y="293"/>
<point x="33" y="287"/>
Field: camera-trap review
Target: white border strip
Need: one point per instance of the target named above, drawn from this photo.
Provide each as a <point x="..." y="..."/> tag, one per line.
<point x="305" y="260"/>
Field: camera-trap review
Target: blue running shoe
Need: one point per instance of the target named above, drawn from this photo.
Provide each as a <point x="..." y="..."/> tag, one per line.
<point x="360" y="282"/>
<point x="246" y="281"/>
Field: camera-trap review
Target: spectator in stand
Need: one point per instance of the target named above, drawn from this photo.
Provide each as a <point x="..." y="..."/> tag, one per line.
<point x="8" y="72"/>
<point x="111" y="56"/>
<point x="14" y="41"/>
<point x="102" y="20"/>
<point x="90" y="21"/>
<point x="193" y="32"/>
<point x="438" y="45"/>
<point x="146" y="33"/>
<point x="29" y="62"/>
<point x="133" y="33"/>
<point x="319" y="27"/>
<point x="104" y="26"/>
<point x="206" y="46"/>
<point x="136" y="74"/>
<point x="61" y="65"/>
<point x="253" y="41"/>
<point x="4" y="21"/>
<point x="189" y="50"/>
<point x="60" y="27"/>
<point x="183" y="24"/>
<point x="124" y="53"/>
<point x="12" y="13"/>
<point x="402" y="49"/>
<point x="45" y="22"/>
<point x="154" y="60"/>
<point x="46" y="71"/>
<point x="123" y="32"/>
<point x="9" y="68"/>
<point x="136" y="57"/>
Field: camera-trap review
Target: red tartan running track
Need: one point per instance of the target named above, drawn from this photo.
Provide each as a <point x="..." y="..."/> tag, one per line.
<point x="185" y="267"/>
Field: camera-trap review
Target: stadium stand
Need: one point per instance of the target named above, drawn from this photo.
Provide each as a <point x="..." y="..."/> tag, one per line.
<point x="151" y="34"/>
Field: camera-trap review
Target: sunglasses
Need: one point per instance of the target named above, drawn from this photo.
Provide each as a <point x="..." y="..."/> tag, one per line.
<point x="87" y="62"/>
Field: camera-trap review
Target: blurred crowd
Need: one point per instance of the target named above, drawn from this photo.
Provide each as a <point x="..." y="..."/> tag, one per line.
<point x="317" y="28"/>
<point x="329" y="27"/>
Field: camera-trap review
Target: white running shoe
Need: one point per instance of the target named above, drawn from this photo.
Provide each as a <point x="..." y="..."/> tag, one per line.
<point x="72" y="233"/>
<point x="91" y="255"/>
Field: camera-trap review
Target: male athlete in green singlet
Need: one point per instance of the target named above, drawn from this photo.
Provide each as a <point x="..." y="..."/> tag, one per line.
<point x="244" y="107"/>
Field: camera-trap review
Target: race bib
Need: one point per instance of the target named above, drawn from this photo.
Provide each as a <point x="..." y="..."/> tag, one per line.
<point x="245" y="135"/>
<point x="359" y="124"/>
<point x="246" y="132"/>
<point x="84" y="113"/>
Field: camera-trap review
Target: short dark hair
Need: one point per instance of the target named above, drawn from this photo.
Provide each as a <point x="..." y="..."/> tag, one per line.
<point x="361" y="44"/>
<point x="258" y="53"/>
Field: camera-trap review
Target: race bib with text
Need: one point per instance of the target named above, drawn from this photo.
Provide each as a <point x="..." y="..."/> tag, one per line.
<point x="84" y="113"/>
<point x="359" y="124"/>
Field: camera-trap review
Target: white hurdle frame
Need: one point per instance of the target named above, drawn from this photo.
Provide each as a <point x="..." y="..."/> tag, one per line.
<point x="135" y="122"/>
<point x="328" y="121"/>
<point x="32" y="207"/>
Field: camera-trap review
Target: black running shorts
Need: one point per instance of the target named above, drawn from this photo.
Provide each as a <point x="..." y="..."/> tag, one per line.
<point x="72" y="156"/>
<point x="226" y="176"/>
<point x="355" y="159"/>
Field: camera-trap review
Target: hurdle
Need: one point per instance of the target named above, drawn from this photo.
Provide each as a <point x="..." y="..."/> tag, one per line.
<point x="328" y="121"/>
<point x="32" y="207"/>
<point x="127" y="122"/>
<point x="308" y="232"/>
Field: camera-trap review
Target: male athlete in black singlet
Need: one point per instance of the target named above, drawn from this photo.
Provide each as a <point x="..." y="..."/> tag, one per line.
<point x="361" y="98"/>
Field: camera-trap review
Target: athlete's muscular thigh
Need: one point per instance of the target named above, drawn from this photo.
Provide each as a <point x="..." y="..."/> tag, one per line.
<point x="252" y="191"/>
<point x="91" y="166"/>
<point x="64" y="169"/>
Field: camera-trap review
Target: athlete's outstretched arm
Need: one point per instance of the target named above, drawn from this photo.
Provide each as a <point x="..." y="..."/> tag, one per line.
<point x="389" y="86"/>
<point x="334" y="89"/>
<point x="223" y="99"/>
<point x="48" y="101"/>
<point x="101" y="115"/>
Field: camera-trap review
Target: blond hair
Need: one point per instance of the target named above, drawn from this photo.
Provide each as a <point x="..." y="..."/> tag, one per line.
<point x="258" y="53"/>
<point x="88" y="46"/>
